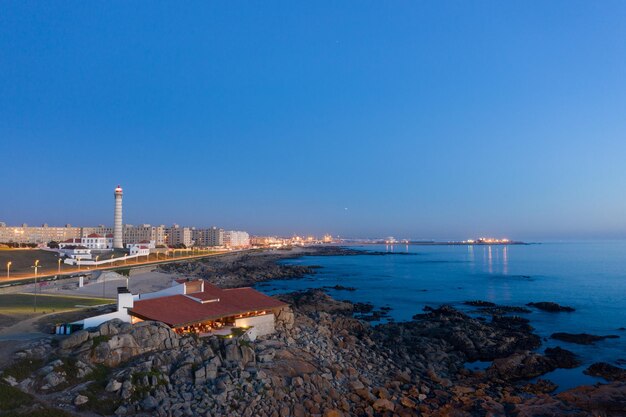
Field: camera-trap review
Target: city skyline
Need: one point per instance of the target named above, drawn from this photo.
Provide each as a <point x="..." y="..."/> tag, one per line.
<point x="426" y="121"/>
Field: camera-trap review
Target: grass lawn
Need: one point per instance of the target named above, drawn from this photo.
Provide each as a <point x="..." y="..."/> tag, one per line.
<point x="22" y="260"/>
<point x="23" y="303"/>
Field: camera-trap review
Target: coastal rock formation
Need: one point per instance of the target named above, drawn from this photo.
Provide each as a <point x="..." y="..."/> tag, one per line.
<point x="551" y="307"/>
<point x="607" y="371"/>
<point x="445" y="338"/>
<point x="580" y="338"/>
<point x="526" y="364"/>
<point x="322" y="361"/>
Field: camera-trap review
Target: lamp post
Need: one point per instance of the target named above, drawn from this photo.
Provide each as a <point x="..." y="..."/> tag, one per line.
<point x="59" y="263"/>
<point x="36" y="266"/>
<point x="112" y="256"/>
<point x="125" y="260"/>
<point x="96" y="264"/>
<point x="9" y="269"/>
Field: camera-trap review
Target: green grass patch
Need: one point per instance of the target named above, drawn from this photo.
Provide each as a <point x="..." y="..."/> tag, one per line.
<point x="24" y="303"/>
<point x="16" y="403"/>
<point x="100" y="401"/>
<point x="12" y="398"/>
<point x="23" y="368"/>
<point x="40" y="411"/>
<point x="141" y="390"/>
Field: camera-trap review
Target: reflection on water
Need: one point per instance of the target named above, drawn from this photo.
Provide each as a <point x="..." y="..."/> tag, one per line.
<point x="588" y="276"/>
<point x="505" y="260"/>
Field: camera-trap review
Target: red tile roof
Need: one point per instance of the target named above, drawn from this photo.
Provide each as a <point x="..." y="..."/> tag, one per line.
<point x="94" y="235"/>
<point x="181" y="310"/>
<point x="72" y="240"/>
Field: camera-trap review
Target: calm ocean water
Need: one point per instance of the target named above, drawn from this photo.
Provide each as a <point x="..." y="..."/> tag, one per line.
<point x="589" y="276"/>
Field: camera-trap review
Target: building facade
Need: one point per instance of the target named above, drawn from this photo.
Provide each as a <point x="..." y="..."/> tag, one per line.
<point x="212" y="236"/>
<point x="236" y="239"/>
<point x="177" y="235"/>
<point x="43" y="234"/>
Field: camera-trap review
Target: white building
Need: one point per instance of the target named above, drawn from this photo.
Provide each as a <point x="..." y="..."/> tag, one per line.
<point x="141" y="248"/>
<point x="236" y="239"/>
<point x="92" y="241"/>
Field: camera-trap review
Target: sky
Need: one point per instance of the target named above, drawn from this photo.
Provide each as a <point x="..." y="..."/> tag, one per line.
<point x="413" y="119"/>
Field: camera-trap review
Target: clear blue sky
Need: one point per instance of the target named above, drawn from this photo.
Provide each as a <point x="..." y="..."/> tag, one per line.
<point x="359" y="118"/>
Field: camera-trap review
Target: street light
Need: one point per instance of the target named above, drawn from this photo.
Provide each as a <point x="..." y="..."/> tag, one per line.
<point x="59" y="262"/>
<point x="36" y="266"/>
<point x="9" y="268"/>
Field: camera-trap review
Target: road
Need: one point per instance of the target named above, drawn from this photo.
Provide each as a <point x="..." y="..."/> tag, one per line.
<point x="67" y="270"/>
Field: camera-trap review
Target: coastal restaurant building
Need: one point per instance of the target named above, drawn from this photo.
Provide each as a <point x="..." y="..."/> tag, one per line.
<point x="194" y="306"/>
<point x="204" y="308"/>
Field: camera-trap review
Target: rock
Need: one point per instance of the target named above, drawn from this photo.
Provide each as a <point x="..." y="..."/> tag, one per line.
<point x="52" y="380"/>
<point x="11" y="381"/>
<point x="562" y="358"/>
<point x="606" y="371"/>
<point x="333" y="412"/>
<point x="121" y="411"/>
<point x="74" y="340"/>
<point x="80" y="399"/>
<point x="524" y="365"/>
<point x="580" y="338"/>
<point x="550" y="307"/>
<point x="149" y="403"/>
<point x="113" y="386"/>
<point x="478" y="303"/>
<point x="382" y="405"/>
<point x="541" y="386"/>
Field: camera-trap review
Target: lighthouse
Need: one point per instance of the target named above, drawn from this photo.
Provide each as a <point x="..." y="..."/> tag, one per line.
<point x="118" y="242"/>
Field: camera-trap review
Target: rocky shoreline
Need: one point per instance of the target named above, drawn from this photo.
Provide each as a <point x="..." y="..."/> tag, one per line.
<point x="245" y="270"/>
<point x="322" y="361"/>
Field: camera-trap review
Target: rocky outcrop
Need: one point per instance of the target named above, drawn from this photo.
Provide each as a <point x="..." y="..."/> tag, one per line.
<point x="444" y="339"/>
<point x="607" y="371"/>
<point x="526" y="364"/>
<point x="550" y="307"/>
<point x="580" y="338"/>
<point x="321" y="362"/>
<point x="114" y="342"/>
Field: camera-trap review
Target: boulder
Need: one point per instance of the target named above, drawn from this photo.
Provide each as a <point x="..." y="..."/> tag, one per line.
<point x="73" y="340"/>
<point x="383" y="404"/>
<point x="113" y="386"/>
<point x="607" y="371"/>
<point x="80" y="399"/>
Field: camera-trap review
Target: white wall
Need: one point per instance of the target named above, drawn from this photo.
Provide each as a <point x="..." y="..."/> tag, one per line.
<point x="261" y="325"/>
<point x="177" y="289"/>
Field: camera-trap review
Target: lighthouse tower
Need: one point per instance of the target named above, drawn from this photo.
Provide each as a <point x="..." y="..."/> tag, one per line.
<point x="117" y="222"/>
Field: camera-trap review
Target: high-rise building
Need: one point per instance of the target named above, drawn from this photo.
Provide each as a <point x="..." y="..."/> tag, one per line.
<point x="144" y="232"/>
<point x="118" y="233"/>
<point x="212" y="236"/>
<point x="176" y="235"/>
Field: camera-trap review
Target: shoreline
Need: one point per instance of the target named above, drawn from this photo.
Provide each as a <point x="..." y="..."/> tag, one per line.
<point x="326" y="361"/>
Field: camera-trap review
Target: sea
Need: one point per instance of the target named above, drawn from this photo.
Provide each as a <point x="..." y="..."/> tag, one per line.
<point x="588" y="276"/>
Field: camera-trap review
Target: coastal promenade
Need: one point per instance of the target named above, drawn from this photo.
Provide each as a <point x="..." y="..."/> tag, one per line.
<point x="67" y="271"/>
